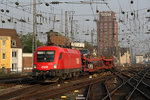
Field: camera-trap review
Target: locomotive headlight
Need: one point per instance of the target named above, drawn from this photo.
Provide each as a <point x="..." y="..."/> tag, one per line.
<point x="34" y="66"/>
<point x="55" y="65"/>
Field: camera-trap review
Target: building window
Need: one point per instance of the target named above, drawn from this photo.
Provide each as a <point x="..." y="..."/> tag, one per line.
<point x="101" y="30"/>
<point x="110" y="26"/>
<point x="4" y="56"/>
<point x="105" y="32"/>
<point x="13" y="43"/>
<point x="105" y="27"/>
<point x="4" y="43"/>
<point x="110" y="19"/>
<point x="3" y="67"/>
<point x="14" y="54"/>
<point x="14" y="66"/>
<point x="105" y="23"/>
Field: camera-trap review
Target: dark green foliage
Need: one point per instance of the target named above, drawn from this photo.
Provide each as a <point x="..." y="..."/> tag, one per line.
<point x="26" y="41"/>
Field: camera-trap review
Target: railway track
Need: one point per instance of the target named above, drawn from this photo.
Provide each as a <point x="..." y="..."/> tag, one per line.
<point x="49" y="91"/>
<point x="17" y="80"/>
<point x="128" y="87"/>
<point x="125" y="85"/>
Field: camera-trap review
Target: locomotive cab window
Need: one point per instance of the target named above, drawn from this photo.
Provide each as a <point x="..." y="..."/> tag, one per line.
<point x="45" y="56"/>
<point x="60" y="56"/>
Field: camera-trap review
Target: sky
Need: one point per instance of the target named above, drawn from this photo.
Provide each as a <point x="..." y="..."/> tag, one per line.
<point x="131" y="29"/>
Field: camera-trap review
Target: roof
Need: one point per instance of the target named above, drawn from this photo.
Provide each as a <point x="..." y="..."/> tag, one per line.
<point x="123" y="50"/>
<point x="13" y="34"/>
<point x="66" y="50"/>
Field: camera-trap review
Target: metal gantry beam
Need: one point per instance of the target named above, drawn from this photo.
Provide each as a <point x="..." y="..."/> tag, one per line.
<point x="79" y="2"/>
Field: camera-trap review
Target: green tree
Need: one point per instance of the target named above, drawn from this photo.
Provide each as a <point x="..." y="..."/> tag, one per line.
<point x="26" y="41"/>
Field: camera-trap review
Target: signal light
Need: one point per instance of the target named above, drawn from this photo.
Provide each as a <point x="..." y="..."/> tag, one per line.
<point x="123" y="12"/>
<point x="97" y="11"/>
<point x="2" y="10"/>
<point x="47" y="4"/>
<point x="87" y="20"/>
<point x="17" y="3"/>
<point x="148" y="10"/>
<point x="3" y="21"/>
<point x="7" y="11"/>
<point x="131" y="2"/>
<point x="9" y="20"/>
<point x="132" y="13"/>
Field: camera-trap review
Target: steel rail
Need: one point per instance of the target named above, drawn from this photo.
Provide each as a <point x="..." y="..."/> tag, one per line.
<point x="146" y="84"/>
<point x="129" y="83"/>
<point x="108" y="93"/>
<point x="77" y="86"/>
<point x="89" y="90"/>
<point x="49" y="92"/>
<point x="142" y="81"/>
<point x="29" y="93"/>
<point x="139" y="91"/>
<point x="138" y="84"/>
<point x="13" y="93"/>
<point x="90" y="87"/>
<point x="136" y="88"/>
<point x="112" y="92"/>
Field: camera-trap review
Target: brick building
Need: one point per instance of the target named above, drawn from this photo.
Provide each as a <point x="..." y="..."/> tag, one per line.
<point x="27" y="62"/>
<point x="107" y="33"/>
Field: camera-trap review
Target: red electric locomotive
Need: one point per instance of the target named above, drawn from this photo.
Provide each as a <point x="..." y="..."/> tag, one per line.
<point x="52" y="63"/>
<point x="55" y="62"/>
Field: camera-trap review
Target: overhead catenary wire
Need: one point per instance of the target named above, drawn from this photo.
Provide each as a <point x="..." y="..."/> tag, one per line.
<point x="75" y="14"/>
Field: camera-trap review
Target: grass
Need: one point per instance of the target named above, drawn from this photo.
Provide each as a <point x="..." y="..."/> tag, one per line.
<point x="3" y="75"/>
<point x="2" y="87"/>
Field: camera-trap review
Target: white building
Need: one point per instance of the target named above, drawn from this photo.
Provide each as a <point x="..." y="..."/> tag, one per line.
<point x="139" y="58"/>
<point x="124" y="56"/>
<point x="77" y="45"/>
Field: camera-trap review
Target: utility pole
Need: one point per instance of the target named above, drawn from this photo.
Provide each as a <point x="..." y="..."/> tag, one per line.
<point x="34" y="36"/>
<point x="61" y="25"/>
<point x="92" y="34"/>
<point x="66" y="27"/>
<point x="54" y="20"/>
<point x="72" y="33"/>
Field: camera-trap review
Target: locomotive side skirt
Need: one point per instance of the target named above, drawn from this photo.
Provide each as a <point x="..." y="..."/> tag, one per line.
<point x="55" y="72"/>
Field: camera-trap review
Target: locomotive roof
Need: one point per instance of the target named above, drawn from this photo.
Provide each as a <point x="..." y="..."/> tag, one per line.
<point x="67" y="50"/>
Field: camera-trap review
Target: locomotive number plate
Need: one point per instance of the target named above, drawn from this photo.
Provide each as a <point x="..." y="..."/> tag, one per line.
<point x="44" y="67"/>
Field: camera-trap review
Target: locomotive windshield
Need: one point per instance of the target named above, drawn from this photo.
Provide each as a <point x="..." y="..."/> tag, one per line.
<point x="45" y="56"/>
